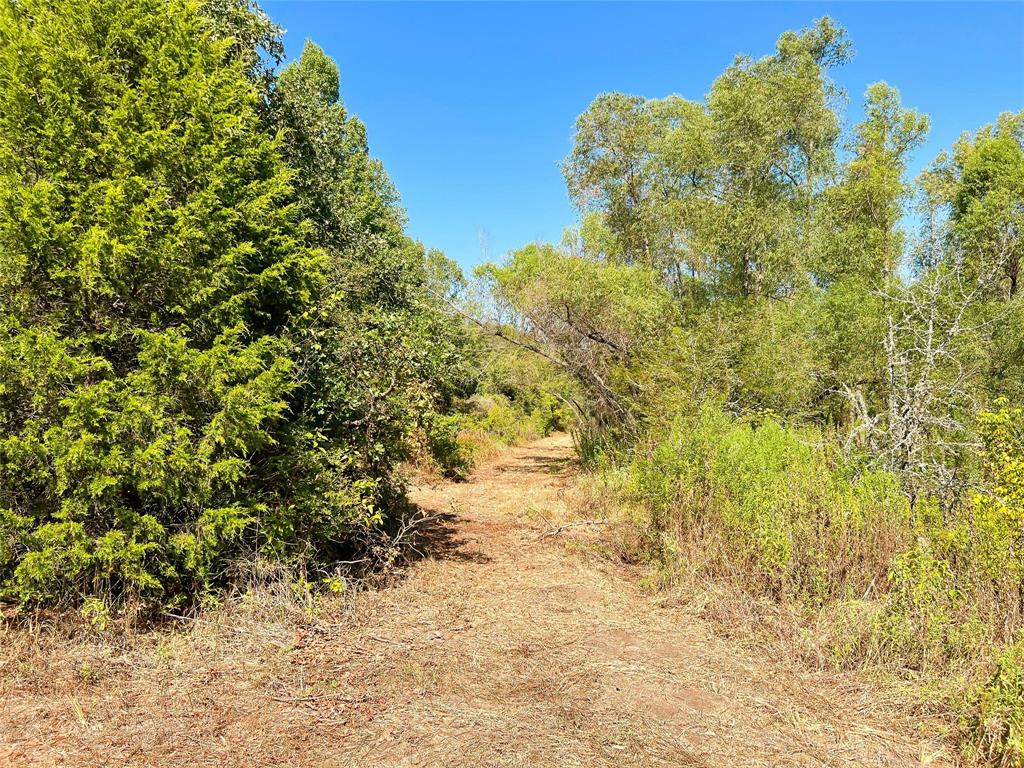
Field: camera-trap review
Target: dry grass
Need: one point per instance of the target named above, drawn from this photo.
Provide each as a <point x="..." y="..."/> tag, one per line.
<point x="508" y="645"/>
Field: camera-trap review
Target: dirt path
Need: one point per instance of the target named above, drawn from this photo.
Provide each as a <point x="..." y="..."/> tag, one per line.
<point x="501" y="648"/>
<point x="523" y="653"/>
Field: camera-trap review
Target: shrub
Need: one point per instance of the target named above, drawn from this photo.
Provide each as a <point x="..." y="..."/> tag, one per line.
<point x="447" y="446"/>
<point x="960" y="588"/>
<point x="996" y="725"/>
<point x="183" y="375"/>
<point x="780" y="512"/>
<point x="789" y="518"/>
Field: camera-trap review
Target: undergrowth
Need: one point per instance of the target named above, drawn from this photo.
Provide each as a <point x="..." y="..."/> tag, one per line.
<point x="864" y="577"/>
<point x="453" y="444"/>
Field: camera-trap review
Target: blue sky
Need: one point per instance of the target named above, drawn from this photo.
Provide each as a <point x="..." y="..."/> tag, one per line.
<point x="471" y="105"/>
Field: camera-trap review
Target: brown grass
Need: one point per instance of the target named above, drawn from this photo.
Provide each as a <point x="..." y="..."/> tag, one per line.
<point x="512" y="643"/>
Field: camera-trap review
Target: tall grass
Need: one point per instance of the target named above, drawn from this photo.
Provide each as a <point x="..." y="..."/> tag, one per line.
<point x="785" y="516"/>
<point x="780" y="513"/>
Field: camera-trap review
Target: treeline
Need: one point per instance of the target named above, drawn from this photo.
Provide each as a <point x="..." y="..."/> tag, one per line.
<point x="802" y="373"/>
<point x="216" y="340"/>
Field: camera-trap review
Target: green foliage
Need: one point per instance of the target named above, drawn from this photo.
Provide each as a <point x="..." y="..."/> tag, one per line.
<point x="783" y="515"/>
<point x="510" y="423"/>
<point x="958" y="590"/>
<point x="388" y="361"/>
<point x="726" y="190"/>
<point x="217" y="340"/>
<point x="996" y="728"/>
<point x="982" y="182"/>
<point x="151" y="262"/>
<point x="792" y="521"/>
<point x="792" y="379"/>
<point x="518" y="397"/>
<point x="860" y="240"/>
<point x="593" y="318"/>
<point x="774" y="234"/>
<point x="446" y="444"/>
<point x="215" y="337"/>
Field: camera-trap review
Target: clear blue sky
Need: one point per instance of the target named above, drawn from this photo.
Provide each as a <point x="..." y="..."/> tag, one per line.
<point x="471" y="105"/>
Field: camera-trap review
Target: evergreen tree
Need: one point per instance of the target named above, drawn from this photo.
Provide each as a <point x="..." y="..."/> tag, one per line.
<point x="151" y="266"/>
<point x="383" y="356"/>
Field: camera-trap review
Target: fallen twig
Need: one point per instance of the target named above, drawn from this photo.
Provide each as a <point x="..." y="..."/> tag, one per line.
<point x="567" y="526"/>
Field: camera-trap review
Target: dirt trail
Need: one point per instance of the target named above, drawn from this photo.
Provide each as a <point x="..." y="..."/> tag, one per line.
<point x="500" y="648"/>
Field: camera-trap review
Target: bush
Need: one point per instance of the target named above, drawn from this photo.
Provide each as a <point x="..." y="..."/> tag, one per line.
<point x="149" y="265"/>
<point x="960" y="589"/>
<point x="788" y="518"/>
<point x="195" y="363"/>
<point x="780" y="512"/>
<point x="446" y="445"/>
<point x="996" y="725"/>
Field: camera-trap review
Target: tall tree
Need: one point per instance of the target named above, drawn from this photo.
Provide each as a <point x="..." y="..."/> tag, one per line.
<point x="859" y="247"/>
<point x="152" y="271"/>
<point x="984" y="180"/>
<point x="724" y="190"/>
<point x="381" y="352"/>
<point x="861" y="236"/>
<point x="776" y="126"/>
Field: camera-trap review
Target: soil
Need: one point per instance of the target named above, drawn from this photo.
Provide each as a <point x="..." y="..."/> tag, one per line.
<point x="509" y="643"/>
